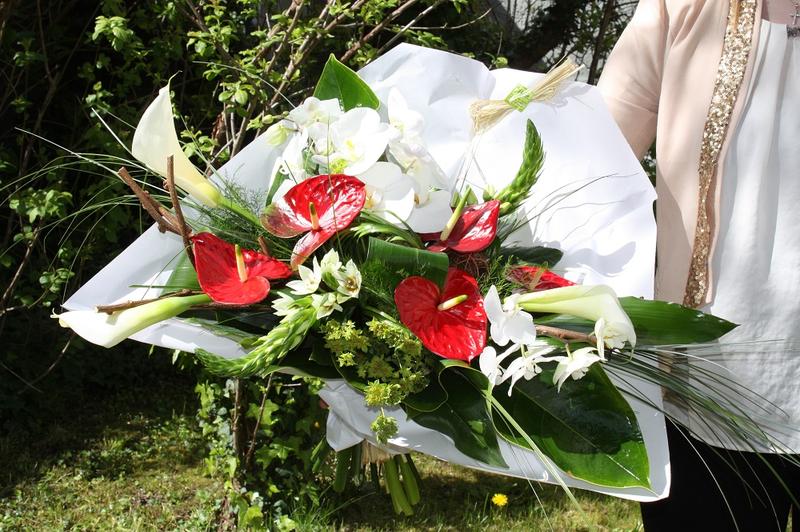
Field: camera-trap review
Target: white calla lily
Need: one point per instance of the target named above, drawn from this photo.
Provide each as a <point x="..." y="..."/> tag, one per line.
<point x="508" y="322"/>
<point x="574" y="365"/>
<point x="589" y="302"/>
<point x="155" y="139"/>
<point x="390" y="194"/>
<point x="108" y="330"/>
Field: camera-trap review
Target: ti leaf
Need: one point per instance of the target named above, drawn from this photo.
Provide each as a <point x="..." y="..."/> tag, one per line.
<point x="657" y="323"/>
<point x="339" y="82"/>
<point x="587" y="429"/>
<point x="464" y="417"/>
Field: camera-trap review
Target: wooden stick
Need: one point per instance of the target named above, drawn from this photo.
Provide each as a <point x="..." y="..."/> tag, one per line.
<point x="564" y="334"/>
<point x="176" y="206"/>
<point x="165" y="220"/>
<point x="116" y="307"/>
<point x="262" y="243"/>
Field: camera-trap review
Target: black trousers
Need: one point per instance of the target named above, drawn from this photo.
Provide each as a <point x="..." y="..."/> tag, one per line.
<point x="756" y="499"/>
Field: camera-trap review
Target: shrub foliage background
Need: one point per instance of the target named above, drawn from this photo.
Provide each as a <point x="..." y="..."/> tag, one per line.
<point x="68" y="66"/>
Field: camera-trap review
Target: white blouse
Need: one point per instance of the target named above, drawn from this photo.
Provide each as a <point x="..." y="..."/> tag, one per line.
<point x="757" y="258"/>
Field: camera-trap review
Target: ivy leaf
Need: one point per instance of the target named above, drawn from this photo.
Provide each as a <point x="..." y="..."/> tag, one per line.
<point x="339" y="82"/>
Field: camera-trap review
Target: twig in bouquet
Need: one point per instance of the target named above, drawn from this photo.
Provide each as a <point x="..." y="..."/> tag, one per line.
<point x="116" y="307"/>
<point x="262" y="244"/>
<point x="565" y="334"/>
<point x="419" y="17"/>
<point x="176" y="207"/>
<point x="166" y="221"/>
<point x="380" y="26"/>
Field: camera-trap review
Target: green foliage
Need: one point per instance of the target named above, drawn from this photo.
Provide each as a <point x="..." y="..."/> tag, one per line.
<point x="340" y="83"/>
<point x="519" y="189"/>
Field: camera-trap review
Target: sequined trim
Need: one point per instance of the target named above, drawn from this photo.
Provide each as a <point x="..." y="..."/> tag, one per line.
<point x="730" y="73"/>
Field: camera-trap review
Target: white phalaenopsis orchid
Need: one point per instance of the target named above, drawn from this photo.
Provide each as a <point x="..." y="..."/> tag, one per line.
<point x="589" y="302"/>
<point x="354" y="142"/>
<point x="309" y="280"/>
<point x="291" y="162"/>
<point x="349" y="279"/>
<point x="390" y="194"/>
<point x="108" y="330"/>
<point x="527" y="365"/>
<point x="431" y="210"/>
<point x="301" y="118"/>
<point x="408" y="122"/>
<point x="575" y="364"/>
<point x="508" y="322"/>
<point x="155" y="139"/>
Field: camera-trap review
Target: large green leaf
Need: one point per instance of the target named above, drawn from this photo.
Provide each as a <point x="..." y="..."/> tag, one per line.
<point x="183" y="276"/>
<point x="656" y="323"/>
<point x="339" y="82"/>
<point x="587" y="429"/>
<point x="464" y="417"/>
<point x="659" y="322"/>
<point x="400" y="262"/>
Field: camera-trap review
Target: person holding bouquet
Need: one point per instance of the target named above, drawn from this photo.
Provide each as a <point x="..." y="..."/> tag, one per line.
<point x="717" y="84"/>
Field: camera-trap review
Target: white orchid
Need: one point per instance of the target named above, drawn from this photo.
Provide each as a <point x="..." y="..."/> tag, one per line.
<point x="155" y="139"/>
<point x="330" y="263"/>
<point x="408" y="122"/>
<point x="355" y="142"/>
<point x="349" y="279"/>
<point x="315" y="111"/>
<point x="291" y="162"/>
<point x="574" y="365"/>
<point x="309" y="280"/>
<point x="508" y="322"/>
<point x="390" y="194"/>
<point x="489" y="363"/>
<point x="613" y="335"/>
<point x="527" y="365"/>
<point x="431" y="211"/>
<point x="325" y="304"/>
<point x="589" y="302"/>
<point x="108" y="330"/>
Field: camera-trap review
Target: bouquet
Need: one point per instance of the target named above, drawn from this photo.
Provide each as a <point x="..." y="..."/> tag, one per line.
<point x="449" y="263"/>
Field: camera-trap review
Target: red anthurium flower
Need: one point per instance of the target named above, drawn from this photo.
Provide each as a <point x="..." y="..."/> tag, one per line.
<point x="450" y="323"/>
<point x="319" y="207"/>
<point x="232" y="275"/>
<point x="534" y="278"/>
<point x="474" y="231"/>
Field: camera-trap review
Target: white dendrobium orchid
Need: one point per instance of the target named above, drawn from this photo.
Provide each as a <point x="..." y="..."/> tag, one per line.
<point x="574" y="365"/>
<point x="390" y="194"/>
<point x="155" y="139"/>
<point x="589" y="302"/>
<point x="309" y="280"/>
<point x="489" y="363"/>
<point x="108" y="330"/>
<point x="325" y="304"/>
<point x="527" y="365"/>
<point x="349" y="280"/>
<point x="508" y="321"/>
<point x="356" y="141"/>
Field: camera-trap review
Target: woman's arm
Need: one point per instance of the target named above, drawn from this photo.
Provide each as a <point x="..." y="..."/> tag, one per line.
<point x="631" y="79"/>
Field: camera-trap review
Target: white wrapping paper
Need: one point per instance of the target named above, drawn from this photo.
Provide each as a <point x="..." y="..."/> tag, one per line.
<point x="593" y="201"/>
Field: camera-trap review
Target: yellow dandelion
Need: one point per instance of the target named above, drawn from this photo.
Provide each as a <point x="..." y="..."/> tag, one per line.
<point x="499" y="500"/>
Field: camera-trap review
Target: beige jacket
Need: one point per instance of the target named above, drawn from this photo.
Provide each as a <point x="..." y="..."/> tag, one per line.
<point x="680" y="73"/>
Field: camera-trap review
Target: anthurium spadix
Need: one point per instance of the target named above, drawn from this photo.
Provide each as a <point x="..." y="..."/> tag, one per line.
<point x="155" y="139"/>
<point x="598" y="302"/>
<point x="108" y="330"/>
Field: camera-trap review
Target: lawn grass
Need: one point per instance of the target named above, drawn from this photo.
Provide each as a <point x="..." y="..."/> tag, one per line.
<point x="135" y="461"/>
